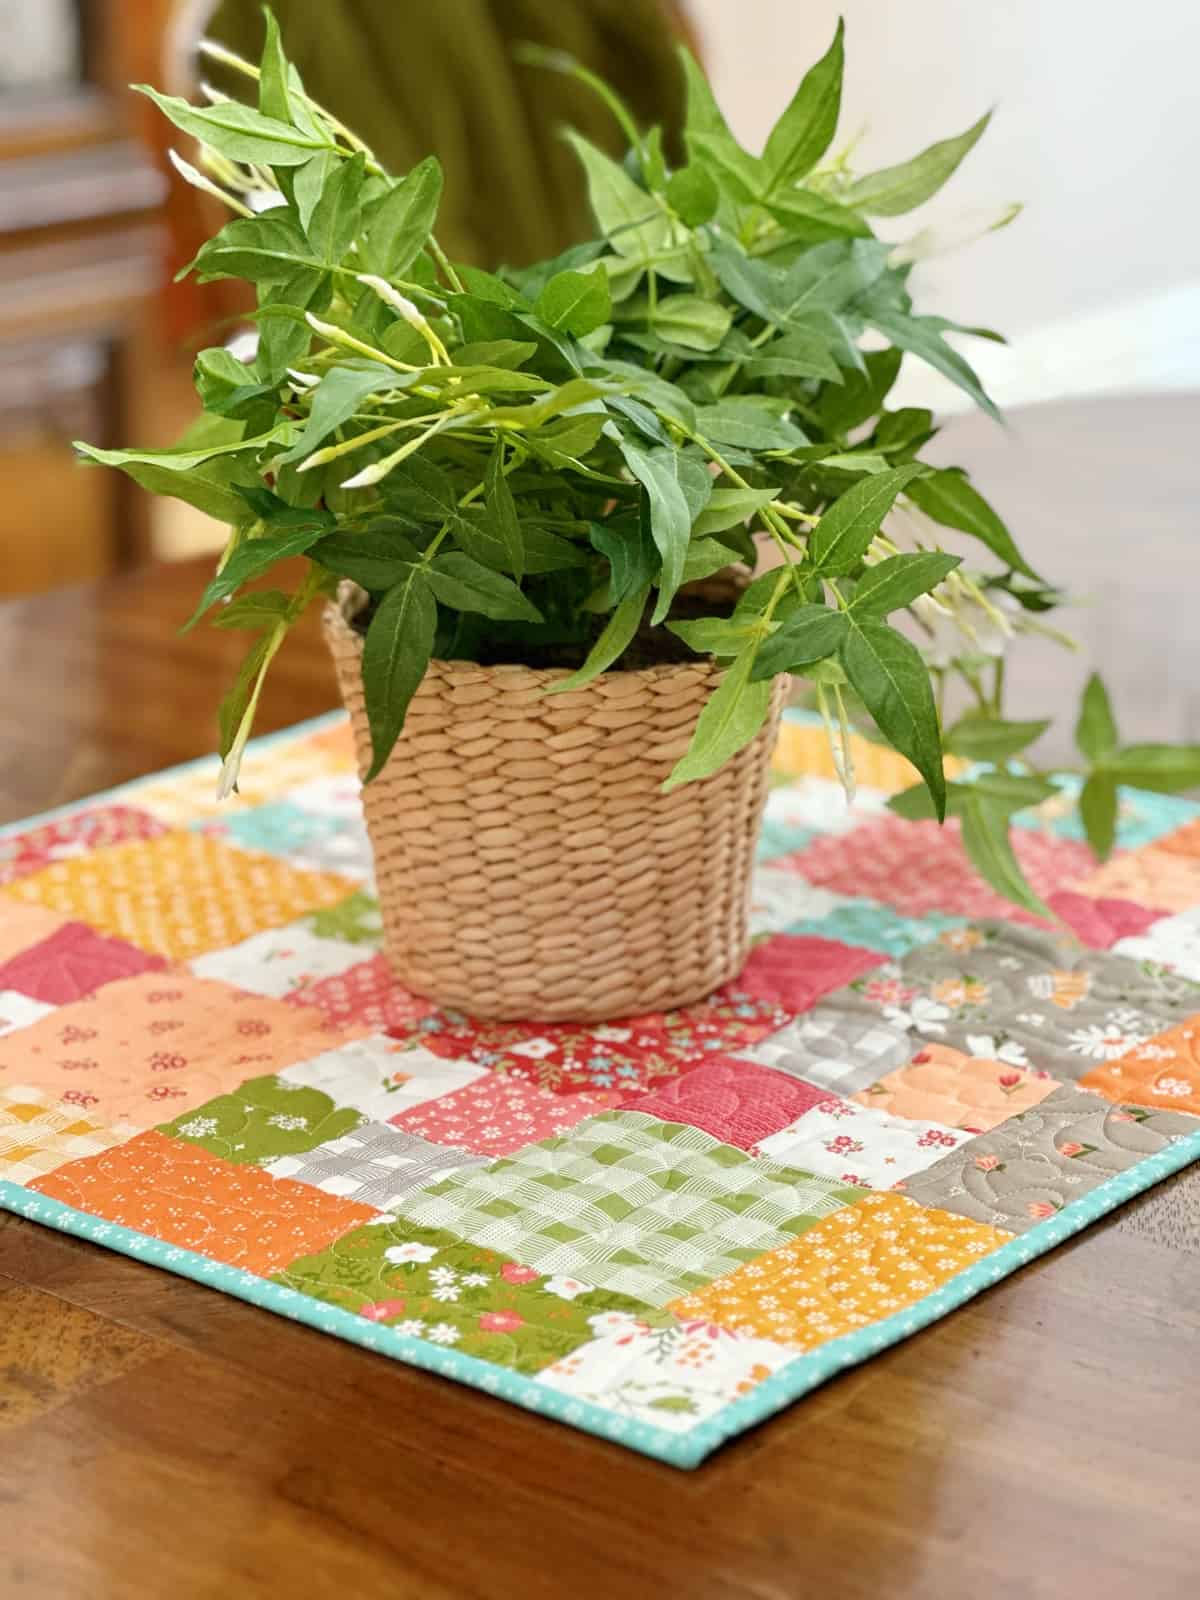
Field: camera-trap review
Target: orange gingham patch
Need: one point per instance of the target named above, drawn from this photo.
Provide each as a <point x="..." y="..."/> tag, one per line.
<point x="1164" y="1072"/>
<point x="178" y="1192"/>
<point x="182" y="893"/>
<point x="37" y="1136"/>
<point x="858" y="1266"/>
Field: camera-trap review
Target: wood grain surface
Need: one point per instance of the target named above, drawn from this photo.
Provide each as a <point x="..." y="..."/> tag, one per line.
<point x="160" y="1439"/>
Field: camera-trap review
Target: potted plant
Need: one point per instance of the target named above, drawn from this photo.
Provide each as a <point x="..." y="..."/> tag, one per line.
<point x="576" y="526"/>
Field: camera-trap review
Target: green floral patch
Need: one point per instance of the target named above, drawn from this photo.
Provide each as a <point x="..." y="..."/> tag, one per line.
<point x="432" y="1285"/>
<point x="355" y="920"/>
<point x="263" y="1119"/>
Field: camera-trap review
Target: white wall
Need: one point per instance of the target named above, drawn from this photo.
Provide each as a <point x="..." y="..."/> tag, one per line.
<point x="1097" y="132"/>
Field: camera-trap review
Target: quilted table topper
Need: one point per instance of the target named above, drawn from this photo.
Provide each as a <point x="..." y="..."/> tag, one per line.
<point x="661" y="1230"/>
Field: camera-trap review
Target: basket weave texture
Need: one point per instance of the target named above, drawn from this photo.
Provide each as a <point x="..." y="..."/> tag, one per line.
<point x="529" y="865"/>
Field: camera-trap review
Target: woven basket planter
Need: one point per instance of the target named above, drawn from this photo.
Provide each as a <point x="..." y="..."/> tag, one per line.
<point x="528" y="864"/>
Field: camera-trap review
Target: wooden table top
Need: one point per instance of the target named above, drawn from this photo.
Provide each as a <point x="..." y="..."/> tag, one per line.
<point x="157" y="1438"/>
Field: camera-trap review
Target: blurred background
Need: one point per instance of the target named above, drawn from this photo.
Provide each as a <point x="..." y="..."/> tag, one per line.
<point x="1097" y="284"/>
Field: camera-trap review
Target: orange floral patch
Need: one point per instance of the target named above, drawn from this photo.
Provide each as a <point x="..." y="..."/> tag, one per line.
<point x="959" y="1091"/>
<point x="143" y="1050"/>
<point x="858" y="1266"/>
<point x="182" y="893"/>
<point x="1164" y="1072"/>
<point x="1184" y="841"/>
<point x="21" y="927"/>
<point x="1156" y="876"/>
<point x="180" y="1193"/>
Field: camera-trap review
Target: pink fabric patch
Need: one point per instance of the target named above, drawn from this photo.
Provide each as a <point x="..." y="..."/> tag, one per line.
<point x="1100" y="923"/>
<point x="794" y="970"/>
<point x="365" y="996"/>
<point x="496" y="1115"/>
<point x="86" y="831"/>
<point x="738" y="1102"/>
<point x="73" y="963"/>
<point x="23" y="926"/>
<point x="919" y="868"/>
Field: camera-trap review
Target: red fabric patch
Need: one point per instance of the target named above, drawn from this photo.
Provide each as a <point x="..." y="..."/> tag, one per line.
<point x="919" y="868"/>
<point x="74" y="836"/>
<point x="1100" y="923"/>
<point x="736" y="1101"/>
<point x="794" y="970"/>
<point x="73" y="963"/>
<point x="365" y="996"/>
<point x="496" y="1115"/>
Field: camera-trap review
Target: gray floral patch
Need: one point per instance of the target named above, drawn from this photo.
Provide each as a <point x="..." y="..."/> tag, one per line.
<point x="1028" y="1168"/>
<point x="841" y="1044"/>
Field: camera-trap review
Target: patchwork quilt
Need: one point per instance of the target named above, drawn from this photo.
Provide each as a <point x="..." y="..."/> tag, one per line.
<point x="661" y="1230"/>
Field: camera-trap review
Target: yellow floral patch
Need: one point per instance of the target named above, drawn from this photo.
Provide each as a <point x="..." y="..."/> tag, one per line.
<point x="862" y="1264"/>
<point x="802" y="751"/>
<point x="180" y="894"/>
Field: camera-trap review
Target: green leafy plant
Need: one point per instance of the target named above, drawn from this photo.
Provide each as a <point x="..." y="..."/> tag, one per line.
<point x="532" y="465"/>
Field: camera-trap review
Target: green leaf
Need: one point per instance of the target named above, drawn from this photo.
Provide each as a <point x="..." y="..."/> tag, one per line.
<point x="839" y="540"/>
<point x="237" y="131"/>
<point x="728" y="508"/>
<point x="1098" y="813"/>
<point x="503" y="353"/>
<point x="748" y="422"/>
<point x="183" y="460"/>
<point x="894" y="190"/>
<point x="655" y="391"/>
<point x="236" y="702"/>
<point x="704" y="557"/>
<point x="208" y="485"/>
<point x="810" y="634"/>
<point x="629" y="548"/>
<point x="401" y="226"/>
<point x="1096" y="730"/>
<point x="337" y="397"/>
<point x="922" y="336"/>
<point x="260" y="608"/>
<point x="618" y="633"/>
<point x="803" y="353"/>
<point x="309" y="183"/>
<point x="709" y="142"/>
<point x="628" y="216"/>
<point x="396" y="654"/>
<point x="269" y="249"/>
<point x="717" y="636"/>
<point x="949" y="498"/>
<point x="978" y="738"/>
<point x="985" y="838"/>
<point x="693" y="195"/>
<point x="890" y="678"/>
<point x="658" y="471"/>
<point x="502" y="511"/>
<point x="1164" y="768"/>
<point x="684" y="319"/>
<point x="255" y="556"/>
<point x="334" y="223"/>
<point x="576" y="302"/>
<point x="731" y="717"/>
<point x="814" y="217"/>
<point x="374" y="560"/>
<point x="803" y="133"/>
<point x="844" y="407"/>
<point x="898" y="581"/>
<point x="274" y="99"/>
<point x="468" y="585"/>
<point x="540" y="551"/>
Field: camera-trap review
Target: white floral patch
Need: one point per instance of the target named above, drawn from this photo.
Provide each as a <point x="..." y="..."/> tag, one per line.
<point x="1172" y="942"/>
<point x="780" y="898"/>
<point x="380" y="1078"/>
<point x="859" y="1145"/>
<point x="279" y="960"/>
<point x="820" y="804"/>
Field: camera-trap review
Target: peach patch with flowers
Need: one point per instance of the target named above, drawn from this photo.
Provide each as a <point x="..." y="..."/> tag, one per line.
<point x="944" y="1085"/>
<point x="1155" y="876"/>
<point x="1165" y="1071"/>
<point x="856" y="1267"/>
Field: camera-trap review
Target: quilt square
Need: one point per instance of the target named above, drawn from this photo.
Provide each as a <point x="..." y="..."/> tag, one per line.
<point x="18" y="1011"/>
<point x="333" y="794"/>
<point x="877" y="928"/>
<point x="364" y="994"/>
<point x="1171" y="942"/>
<point x="1027" y="998"/>
<point x="780" y="898"/>
<point x="858" y="1144"/>
<point x="279" y="961"/>
<point x="1100" y="922"/>
<point x="496" y="1115"/>
<point x="381" y="1078"/>
<point x="1151" y="877"/>
<point x="738" y="1102"/>
<point x="144" y="1047"/>
<point x="280" y="827"/>
<point x="430" y="1285"/>
<point x="1184" y="840"/>
<point x="179" y="1193"/>
<point x="93" y="828"/>
<point x="918" y="867"/>
<point x="354" y="920"/>
<point x="630" y="1203"/>
<point x="671" y="1377"/>
<point x="268" y="772"/>
<point x="180" y="894"/>
<point x="856" y="1267"/>
<point x="73" y="963"/>
<point x="819" y="805"/>
<point x="793" y="971"/>
<point x="956" y="1090"/>
<point x="1037" y="1162"/>
<point x="837" y="1045"/>
<point x="1164" y="1072"/>
<point x="22" y="926"/>
<point x="372" y="1163"/>
<point x="37" y="1137"/>
<point x="263" y="1119"/>
<point x="1142" y="817"/>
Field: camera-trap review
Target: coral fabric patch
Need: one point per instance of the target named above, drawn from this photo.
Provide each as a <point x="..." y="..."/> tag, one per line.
<point x="794" y="970"/>
<point x="23" y="926"/>
<point x="858" y="1266"/>
<point x="736" y="1101"/>
<point x="1100" y="922"/>
<point x="496" y="1115"/>
<point x="73" y="963"/>
<point x="363" y="994"/>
